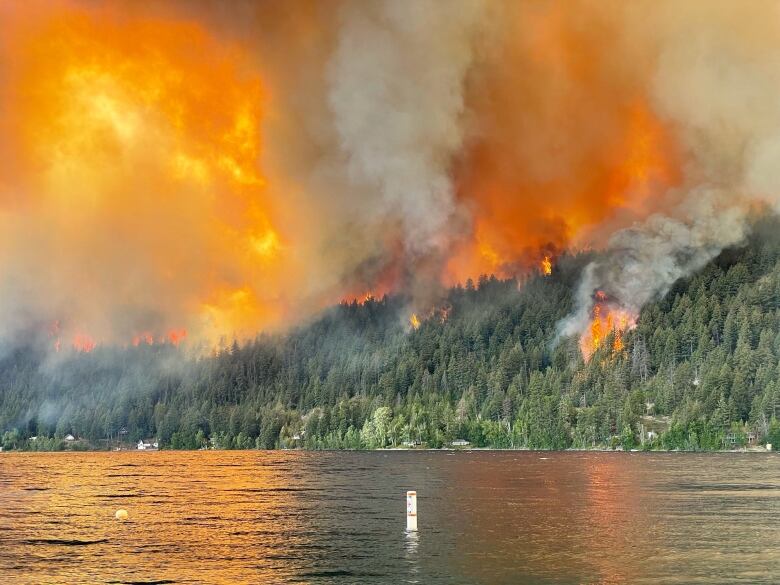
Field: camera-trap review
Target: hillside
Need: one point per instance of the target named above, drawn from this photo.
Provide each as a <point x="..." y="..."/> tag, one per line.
<point x="702" y="363"/>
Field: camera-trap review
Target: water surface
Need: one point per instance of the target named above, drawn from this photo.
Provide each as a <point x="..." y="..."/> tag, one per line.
<point x="339" y="517"/>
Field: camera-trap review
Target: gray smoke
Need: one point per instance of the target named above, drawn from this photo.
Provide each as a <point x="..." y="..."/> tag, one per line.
<point x="397" y="98"/>
<point x="643" y="262"/>
<point x="716" y="79"/>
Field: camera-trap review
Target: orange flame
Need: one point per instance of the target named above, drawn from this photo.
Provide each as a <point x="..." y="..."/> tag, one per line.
<point x="414" y="321"/>
<point x="176" y="336"/>
<point x="606" y="320"/>
<point x="546" y="266"/>
<point x="83" y="343"/>
<point x="156" y="116"/>
<point x="146" y="338"/>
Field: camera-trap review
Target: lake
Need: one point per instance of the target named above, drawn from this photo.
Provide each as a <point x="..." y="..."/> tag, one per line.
<point x="485" y="517"/>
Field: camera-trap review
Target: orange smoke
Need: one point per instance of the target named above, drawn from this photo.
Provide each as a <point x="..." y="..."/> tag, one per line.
<point x="566" y="140"/>
<point x="143" y="201"/>
<point x="133" y="144"/>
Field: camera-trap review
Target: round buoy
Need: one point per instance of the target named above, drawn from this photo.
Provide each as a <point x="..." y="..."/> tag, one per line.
<point x="121" y="515"/>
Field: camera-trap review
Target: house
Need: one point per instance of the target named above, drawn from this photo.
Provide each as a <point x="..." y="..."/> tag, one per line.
<point x="460" y="443"/>
<point x="148" y="445"/>
<point x="70" y="437"/>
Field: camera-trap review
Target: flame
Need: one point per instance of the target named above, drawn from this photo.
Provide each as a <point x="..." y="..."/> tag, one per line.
<point x="135" y="153"/>
<point x="617" y="342"/>
<point x="414" y="321"/>
<point x="360" y="299"/>
<point x="146" y="338"/>
<point x="137" y="139"/>
<point x="444" y="312"/>
<point x="176" y="336"/>
<point x="83" y="343"/>
<point x="605" y="320"/>
<point x="530" y="183"/>
<point x="546" y="266"/>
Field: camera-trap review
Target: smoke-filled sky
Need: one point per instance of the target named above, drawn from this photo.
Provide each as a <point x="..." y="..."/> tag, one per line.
<point x="222" y="168"/>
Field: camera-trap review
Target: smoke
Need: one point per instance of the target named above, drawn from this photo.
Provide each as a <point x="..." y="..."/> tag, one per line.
<point x="715" y="82"/>
<point x="396" y="93"/>
<point x="642" y="262"/>
<point x="231" y="168"/>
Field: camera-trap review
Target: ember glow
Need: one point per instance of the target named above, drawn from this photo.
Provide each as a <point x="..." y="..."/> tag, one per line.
<point x="83" y="343"/>
<point x="177" y="167"/>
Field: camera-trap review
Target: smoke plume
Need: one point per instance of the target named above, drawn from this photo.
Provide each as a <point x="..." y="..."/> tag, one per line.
<point x="191" y="170"/>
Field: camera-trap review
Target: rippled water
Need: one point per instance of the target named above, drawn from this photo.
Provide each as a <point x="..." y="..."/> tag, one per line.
<point x="339" y="517"/>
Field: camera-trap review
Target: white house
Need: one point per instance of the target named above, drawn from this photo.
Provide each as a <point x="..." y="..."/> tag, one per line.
<point x="147" y="445"/>
<point x="70" y="437"/>
<point x="460" y="443"/>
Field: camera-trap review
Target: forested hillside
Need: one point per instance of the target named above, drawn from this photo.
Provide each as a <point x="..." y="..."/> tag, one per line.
<point x="486" y="367"/>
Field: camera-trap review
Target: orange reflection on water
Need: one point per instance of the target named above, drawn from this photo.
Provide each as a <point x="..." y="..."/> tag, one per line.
<point x="205" y="517"/>
<point x="613" y="513"/>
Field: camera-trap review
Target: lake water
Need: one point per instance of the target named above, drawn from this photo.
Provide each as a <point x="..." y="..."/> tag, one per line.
<point x="339" y="517"/>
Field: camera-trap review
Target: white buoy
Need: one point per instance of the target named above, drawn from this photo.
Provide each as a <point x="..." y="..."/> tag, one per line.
<point x="411" y="511"/>
<point x="121" y="515"/>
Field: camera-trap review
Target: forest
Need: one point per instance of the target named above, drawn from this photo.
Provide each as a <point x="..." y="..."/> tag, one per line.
<point x="700" y="371"/>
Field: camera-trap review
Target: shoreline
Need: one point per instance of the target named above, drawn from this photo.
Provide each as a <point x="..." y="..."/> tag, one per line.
<point x="403" y="449"/>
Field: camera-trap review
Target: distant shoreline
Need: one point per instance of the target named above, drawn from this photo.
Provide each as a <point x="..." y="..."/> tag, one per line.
<point x="404" y="449"/>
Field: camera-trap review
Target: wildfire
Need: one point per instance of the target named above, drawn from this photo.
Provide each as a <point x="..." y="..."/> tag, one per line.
<point x="146" y="338"/>
<point x="182" y="209"/>
<point x="444" y="312"/>
<point x="360" y="299"/>
<point x="117" y="105"/>
<point x="546" y="266"/>
<point x="83" y="343"/>
<point x="606" y="320"/>
<point x="176" y="336"/>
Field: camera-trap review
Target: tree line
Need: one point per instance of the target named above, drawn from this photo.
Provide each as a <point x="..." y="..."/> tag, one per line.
<point x="701" y="369"/>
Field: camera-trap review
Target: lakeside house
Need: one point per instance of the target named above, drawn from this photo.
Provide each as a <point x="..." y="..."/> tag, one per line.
<point x="148" y="445"/>
<point x="70" y="437"/>
<point x="460" y="443"/>
<point x="744" y="439"/>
